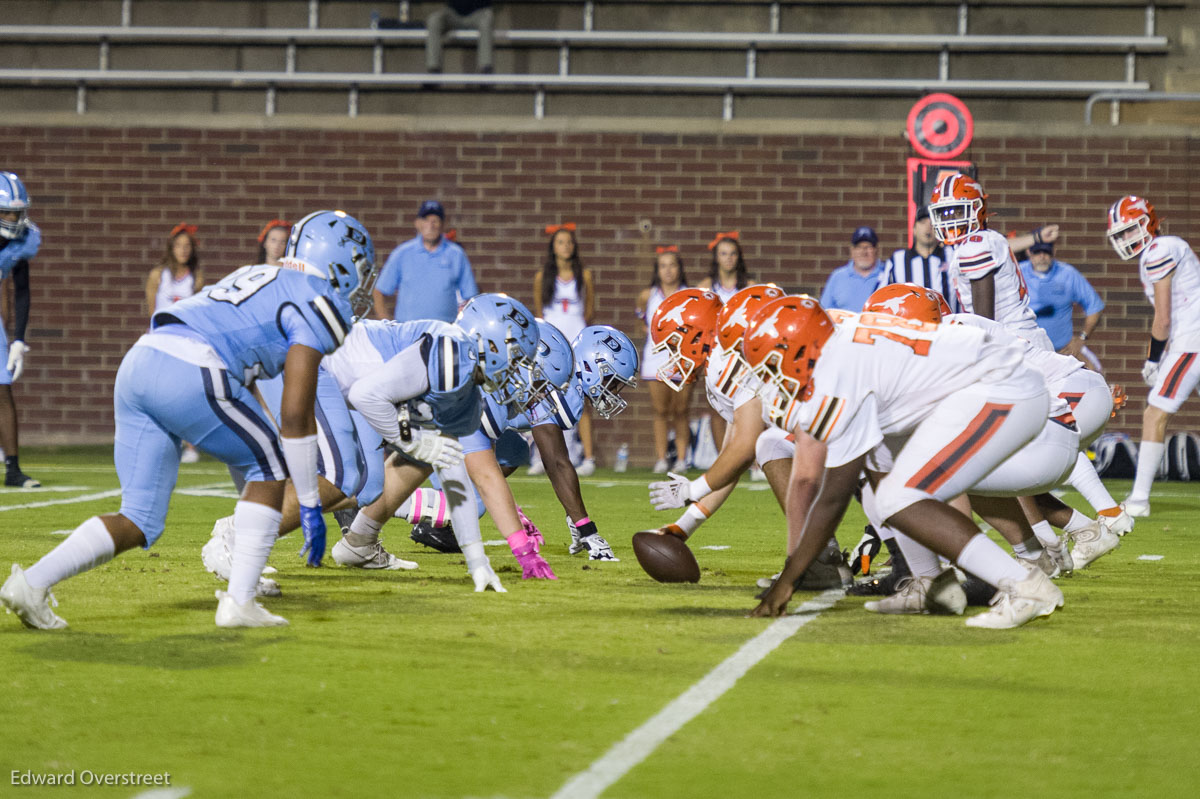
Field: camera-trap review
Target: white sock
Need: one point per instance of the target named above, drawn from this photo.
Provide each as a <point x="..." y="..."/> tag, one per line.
<point x="922" y="561"/>
<point x="1149" y="456"/>
<point x="1077" y="522"/>
<point x="1029" y="549"/>
<point x="1045" y="533"/>
<point x="365" y="526"/>
<point x="1085" y="480"/>
<point x="692" y="518"/>
<point x="983" y="558"/>
<point x="89" y="546"/>
<point x="255" y="528"/>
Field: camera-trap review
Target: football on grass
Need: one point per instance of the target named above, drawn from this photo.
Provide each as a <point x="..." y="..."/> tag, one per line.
<point x="666" y="557"/>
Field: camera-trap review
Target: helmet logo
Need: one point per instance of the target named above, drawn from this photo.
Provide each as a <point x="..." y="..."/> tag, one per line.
<point x="767" y="326"/>
<point x="893" y="304"/>
<point x="676" y="314"/>
<point x="518" y="318"/>
<point x="611" y="343"/>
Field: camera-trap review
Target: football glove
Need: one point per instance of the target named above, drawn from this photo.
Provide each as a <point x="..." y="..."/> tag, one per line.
<point x="533" y="565"/>
<point x="16" y="358"/>
<point x="673" y="493"/>
<point x="428" y="446"/>
<point x="485" y="578"/>
<point x="1150" y="373"/>
<point x="312" y="522"/>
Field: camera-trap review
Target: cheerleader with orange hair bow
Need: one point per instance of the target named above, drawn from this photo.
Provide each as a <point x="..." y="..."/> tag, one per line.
<point x="728" y="274"/>
<point x="272" y="241"/>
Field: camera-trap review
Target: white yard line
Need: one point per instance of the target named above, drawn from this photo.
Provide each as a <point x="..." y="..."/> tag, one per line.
<point x="208" y="490"/>
<point x="641" y="743"/>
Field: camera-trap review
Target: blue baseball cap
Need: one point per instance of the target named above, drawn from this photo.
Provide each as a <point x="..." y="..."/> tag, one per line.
<point x="862" y="234"/>
<point x="431" y="207"/>
<point x="1041" y="246"/>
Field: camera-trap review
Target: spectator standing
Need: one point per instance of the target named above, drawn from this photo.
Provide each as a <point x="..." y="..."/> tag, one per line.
<point x="176" y="278"/>
<point x="924" y="263"/>
<point x="1055" y="288"/>
<point x="670" y="406"/>
<point x="20" y="240"/>
<point x="565" y="291"/>
<point x="427" y="276"/>
<point x="475" y="15"/>
<point x="272" y="242"/>
<point x="851" y="284"/>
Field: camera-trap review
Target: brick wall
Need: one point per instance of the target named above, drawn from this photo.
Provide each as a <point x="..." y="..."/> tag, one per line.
<point x="105" y="199"/>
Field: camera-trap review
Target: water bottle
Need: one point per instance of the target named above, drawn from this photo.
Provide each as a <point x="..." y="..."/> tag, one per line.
<point x="622" y="458"/>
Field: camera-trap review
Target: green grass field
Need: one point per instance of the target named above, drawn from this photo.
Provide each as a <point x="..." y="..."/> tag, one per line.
<point x="408" y="684"/>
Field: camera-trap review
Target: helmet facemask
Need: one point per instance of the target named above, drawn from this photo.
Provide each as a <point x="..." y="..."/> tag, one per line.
<point x="677" y="372"/>
<point x="606" y="395"/>
<point x="14" y="229"/>
<point x="1130" y="238"/>
<point x="953" y="220"/>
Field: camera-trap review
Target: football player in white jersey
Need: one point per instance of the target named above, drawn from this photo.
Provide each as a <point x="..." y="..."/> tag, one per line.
<point x="945" y="403"/>
<point x="747" y="438"/>
<point x="980" y="260"/>
<point x="1170" y="274"/>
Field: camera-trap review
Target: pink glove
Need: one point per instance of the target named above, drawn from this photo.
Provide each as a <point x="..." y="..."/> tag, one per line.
<point x="525" y="550"/>
<point x="530" y="528"/>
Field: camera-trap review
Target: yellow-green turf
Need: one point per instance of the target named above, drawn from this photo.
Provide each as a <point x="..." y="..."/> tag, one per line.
<point x="408" y="684"/>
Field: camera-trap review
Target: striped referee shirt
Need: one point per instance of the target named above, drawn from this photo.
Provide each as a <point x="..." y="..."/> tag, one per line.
<point x="909" y="266"/>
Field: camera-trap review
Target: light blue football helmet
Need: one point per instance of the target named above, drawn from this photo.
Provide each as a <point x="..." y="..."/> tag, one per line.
<point x="554" y="365"/>
<point x="13" y="197"/>
<point x="506" y="335"/>
<point x="606" y="362"/>
<point x="335" y="246"/>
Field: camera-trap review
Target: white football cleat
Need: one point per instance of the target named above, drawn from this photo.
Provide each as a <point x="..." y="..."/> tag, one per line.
<point x="941" y="594"/>
<point x="251" y="614"/>
<point x="372" y="556"/>
<point x="1120" y="524"/>
<point x="1061" y="556"/>
<point x="1137" y="508"/>
<point x="217" y="555"/>
<point x="189" y="455"/>
<point x="32" y="605"/>
<point x="536" y="468"/>
<point x="1093" y="542"/>
<point x="1016" y="603"/>
<point x="661" y="466"/>
<point x="587" y="468"/>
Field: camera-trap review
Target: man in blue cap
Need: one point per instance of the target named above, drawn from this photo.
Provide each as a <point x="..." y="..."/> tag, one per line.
<point x="849" y="285"/>
<point x="428" y="275"/>
<point x="1055" y="288"/>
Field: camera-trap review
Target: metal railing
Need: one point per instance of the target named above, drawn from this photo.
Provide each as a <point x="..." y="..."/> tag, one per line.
<point x="1117" y="96"/>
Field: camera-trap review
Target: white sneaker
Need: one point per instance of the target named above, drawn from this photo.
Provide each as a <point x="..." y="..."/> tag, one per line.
<point x="587" y="468"/>
<point x="372" y="556"/>
<point x="537" y="467"/>
<point x="217" y="556"/>
<point x="661" y="466"/>
<point x="1045" y="562"/>
<point x="32" y="605"/>
<point x="1120" y="525"/>
<point x="1061" y="555"/>
<point x="251" y="614"/>
<point x="757" y="475"/>
<point x="190" y="455"/>
<point x="941" y="594"/>
<point x="1093" y="542"/>
<point x="1137" y="508"/>
<point x="1016" y="603"/>
<point x="597" y="548"/>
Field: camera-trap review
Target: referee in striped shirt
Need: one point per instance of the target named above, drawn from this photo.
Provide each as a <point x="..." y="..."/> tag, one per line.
<point x="924" y="263"/>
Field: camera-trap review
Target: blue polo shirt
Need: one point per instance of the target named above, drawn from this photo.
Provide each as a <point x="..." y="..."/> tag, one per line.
<point x="427" y="285"/>
<point x="849" y="290"/>
<point x="1053" y="294"/>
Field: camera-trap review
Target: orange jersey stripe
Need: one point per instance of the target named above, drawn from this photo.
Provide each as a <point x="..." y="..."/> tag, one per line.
<point x="944" y="464"/>
<point x="1170" y="386"/>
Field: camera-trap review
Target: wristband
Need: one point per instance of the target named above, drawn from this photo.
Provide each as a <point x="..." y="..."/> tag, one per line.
<point x="1083" y="336"/>
<point x="1037" y="235"/>
<point x="1157" y="345"/>
<point x="699" y="488"/>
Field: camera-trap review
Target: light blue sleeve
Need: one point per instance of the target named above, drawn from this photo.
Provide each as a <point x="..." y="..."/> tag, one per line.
<point x="466" y="278"/>
<point x="22" y="250"/>
<point x="1083" y="293"/>
<point x="828" y="296"/>
<point x="388" y="282"/>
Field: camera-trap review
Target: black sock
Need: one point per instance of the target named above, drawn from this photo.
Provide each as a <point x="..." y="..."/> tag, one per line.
<point x="11" y="464"/>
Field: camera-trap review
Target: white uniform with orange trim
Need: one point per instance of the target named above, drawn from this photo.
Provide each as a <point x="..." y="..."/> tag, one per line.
<point x="1179" y="371"/>
<point x="984" y="253"/>
<point x="948" y="403"/>
<point x="730" y="385"/>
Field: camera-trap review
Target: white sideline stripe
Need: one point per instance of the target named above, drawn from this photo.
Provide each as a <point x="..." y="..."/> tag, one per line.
<point x="42" y="490"/>
<point x="639" y="744"/>
<point x="224" y="493"/>
<point x="165" y="793"/>
<point x="116" y="492"/>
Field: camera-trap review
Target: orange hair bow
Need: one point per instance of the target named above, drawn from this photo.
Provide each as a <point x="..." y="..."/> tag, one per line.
<point x="552" y="229"/>
<point x="183" y="227"/>
<point x="668" y="248"/>
<point x="733" y="234"/>
<point x="274" y="223"/>
<point x="451" y="234"/>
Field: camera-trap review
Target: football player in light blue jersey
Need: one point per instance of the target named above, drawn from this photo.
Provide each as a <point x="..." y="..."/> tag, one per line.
<point x="20" y="240"/>
<point x="416" y="384"/>
<point x="600" y="363"/>
<point x="190" y="378"/>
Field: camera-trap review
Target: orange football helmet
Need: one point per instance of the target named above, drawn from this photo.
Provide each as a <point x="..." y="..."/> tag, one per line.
<point x="1132" y="224"/>
<point x="908" y="301"/>
<point x="685" y="327"/>
<point x="958" y="208"/>
<point x="782" y="344"/>
<point x="731" y="329"/>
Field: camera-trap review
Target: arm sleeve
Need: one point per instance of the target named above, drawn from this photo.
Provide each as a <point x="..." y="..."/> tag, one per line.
<point x="388" y="282"/>
<point x="827" y="299"/>
<point x="1086" y="296"/>
<point x="401" y="378"/>
<point x="20" y="276"/>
